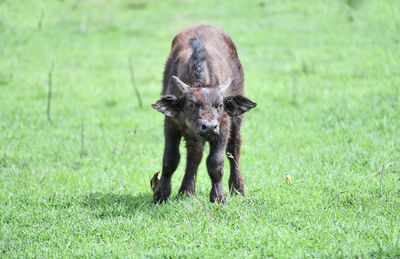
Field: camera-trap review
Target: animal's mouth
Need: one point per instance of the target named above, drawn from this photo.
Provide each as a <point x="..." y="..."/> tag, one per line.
<point x="208" y="135"/>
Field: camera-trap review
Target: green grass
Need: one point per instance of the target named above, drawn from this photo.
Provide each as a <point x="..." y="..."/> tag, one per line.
<point x="325" y="75"/>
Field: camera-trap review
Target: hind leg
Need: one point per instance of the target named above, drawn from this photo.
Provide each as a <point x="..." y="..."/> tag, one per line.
<point x="236" y="182"/>
<point x="194" y="155"/>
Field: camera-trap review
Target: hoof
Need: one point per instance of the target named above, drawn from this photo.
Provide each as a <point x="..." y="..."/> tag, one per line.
<point x="162" y="192"/>
<point x="186" y="191"/>
<point x="237" y="191"/>
<point x="217" y="194"/>
<point x="236" y="186"/>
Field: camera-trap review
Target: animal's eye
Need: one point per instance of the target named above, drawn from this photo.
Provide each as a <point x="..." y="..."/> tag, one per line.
<point x="219" y="106"/>
<point x="190" y="105"/>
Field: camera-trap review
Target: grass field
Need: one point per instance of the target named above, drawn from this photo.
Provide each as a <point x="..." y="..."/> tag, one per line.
<point x="325" y="75"/>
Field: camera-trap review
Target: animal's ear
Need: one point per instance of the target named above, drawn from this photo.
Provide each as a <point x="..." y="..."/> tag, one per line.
<point x="237" y="105"/>
<point x="168" y="105"/>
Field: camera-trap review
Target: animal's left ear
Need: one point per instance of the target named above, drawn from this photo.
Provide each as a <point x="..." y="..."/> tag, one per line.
<point x="168" y="105"/>
<point x="237" y="105"/>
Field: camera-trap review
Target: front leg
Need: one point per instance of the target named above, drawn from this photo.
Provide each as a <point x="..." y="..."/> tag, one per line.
<point x="194" y="155"/>
<point x="215" y="167"/>
<point x="170" y="161"/>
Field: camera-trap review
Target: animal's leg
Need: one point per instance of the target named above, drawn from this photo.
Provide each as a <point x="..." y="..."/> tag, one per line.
<point x="215" y="167"/>
<point x="170" y="161"/>
<point x="236" y="182"/>
<point x="194" y="155"/>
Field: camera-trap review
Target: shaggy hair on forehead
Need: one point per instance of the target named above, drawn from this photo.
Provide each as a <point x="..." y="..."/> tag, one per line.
<point x="201" y="85"/>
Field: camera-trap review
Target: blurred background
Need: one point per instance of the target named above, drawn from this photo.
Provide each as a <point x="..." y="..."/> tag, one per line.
<point x="312" y="66"/>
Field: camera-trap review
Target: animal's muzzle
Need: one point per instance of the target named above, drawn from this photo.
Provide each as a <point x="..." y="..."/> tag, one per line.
<point x="208" y="129"/>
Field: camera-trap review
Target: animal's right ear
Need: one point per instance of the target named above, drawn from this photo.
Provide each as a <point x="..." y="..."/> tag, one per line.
<point x="168" y="105"/>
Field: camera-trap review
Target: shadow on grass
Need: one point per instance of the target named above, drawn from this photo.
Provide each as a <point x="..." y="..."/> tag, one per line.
<point x="114" y="205"/>
<point x="103" y="205"/>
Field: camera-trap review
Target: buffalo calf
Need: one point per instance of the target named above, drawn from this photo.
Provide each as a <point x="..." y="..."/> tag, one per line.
<point x="203" y="101"/>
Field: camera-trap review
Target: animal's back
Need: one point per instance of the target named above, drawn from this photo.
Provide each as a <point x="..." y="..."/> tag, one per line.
<point x="203" y="54"/>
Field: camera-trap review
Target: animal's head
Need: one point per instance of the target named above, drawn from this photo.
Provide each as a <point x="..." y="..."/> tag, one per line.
<point x="201" y="108"/>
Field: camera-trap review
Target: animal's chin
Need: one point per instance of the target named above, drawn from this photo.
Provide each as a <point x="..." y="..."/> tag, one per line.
<point x="208" y="136"/>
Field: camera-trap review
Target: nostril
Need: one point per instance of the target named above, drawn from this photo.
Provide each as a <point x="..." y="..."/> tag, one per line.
<point x="203" y="127"/>
<point x="215" y="126"/>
